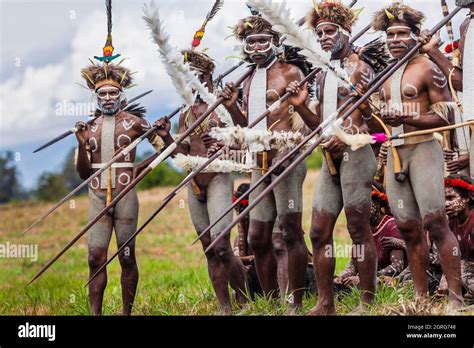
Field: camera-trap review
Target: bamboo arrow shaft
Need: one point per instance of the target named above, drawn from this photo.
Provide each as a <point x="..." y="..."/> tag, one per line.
<point x="432" y="130"/>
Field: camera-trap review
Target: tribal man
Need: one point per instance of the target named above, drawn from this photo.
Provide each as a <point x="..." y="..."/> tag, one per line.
<point x="346" y="175"/>
<point x="112" y="130"/>
<point x="415" y="97"/>
<point x="265" y="86"/>
<point x="209" y="194"/>
<point x="461" y="78"/>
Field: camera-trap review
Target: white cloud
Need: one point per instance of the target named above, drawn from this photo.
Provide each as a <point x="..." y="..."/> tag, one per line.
<point x="28" y="98"/>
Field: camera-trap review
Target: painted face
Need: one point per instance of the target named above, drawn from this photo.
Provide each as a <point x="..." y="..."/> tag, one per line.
<point x="400" y="39"/>
<point x="330" y="37"/>
<point x="376" y="213"/>
<point x="455" y="203"/>
<point x="260" y="47"/>
<point x="108" y="99"/>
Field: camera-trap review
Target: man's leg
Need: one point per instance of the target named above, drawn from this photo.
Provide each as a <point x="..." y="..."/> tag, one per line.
<point x="98" y="243"/>
<point x="289" y="203"/>
<point x="357" y="172"/>
<point x="327" y="204"/>
<point x="125" y="224"/>
<point x="262" y="219"/>
<point x="216" y="270"/>
<point x="282" y="260"/>
<point x="427" y="180"/>
<point x="407" y="216"/>
<point x="219" y="198"/>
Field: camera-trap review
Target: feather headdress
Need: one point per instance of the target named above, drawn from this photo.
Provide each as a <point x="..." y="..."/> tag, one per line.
<point x="331" y="11"/>
<point x="184" y="79"/>
<point x="459" y="181"/>
<point x="398" y="12"/>
<point x="280" y="17"/>
<point x="253" y="23"/>
<point x="100" y="75"/>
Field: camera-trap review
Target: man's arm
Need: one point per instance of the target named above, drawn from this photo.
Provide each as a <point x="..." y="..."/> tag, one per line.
<point x="396" y="264"/>
<point x="230" y="95"/>
<point x="431" y="48"/>
<point x="83" y="164"/>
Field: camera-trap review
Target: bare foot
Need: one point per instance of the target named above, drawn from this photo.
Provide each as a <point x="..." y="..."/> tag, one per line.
<point x="322" y="309"/>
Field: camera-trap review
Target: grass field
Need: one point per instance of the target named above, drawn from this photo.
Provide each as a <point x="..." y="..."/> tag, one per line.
<point x="173" y="275"/>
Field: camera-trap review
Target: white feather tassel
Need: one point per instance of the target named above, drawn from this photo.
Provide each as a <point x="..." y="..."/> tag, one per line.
<point x="280" y="17"/>
<point x="181" y="74"/>
<point x="191" y="163"/>
<point x="355" y="141"/>
<point x="238" y="136"/>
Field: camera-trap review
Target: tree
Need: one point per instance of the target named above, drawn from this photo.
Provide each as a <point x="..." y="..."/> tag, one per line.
<point x="9" y="185"/>
<point x="51" y="186"/>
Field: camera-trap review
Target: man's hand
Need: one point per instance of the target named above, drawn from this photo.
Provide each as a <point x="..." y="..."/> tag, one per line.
<point x="334" y="144"/>
<point x="213" y="148"/>
<point x="81" y="134"/>
<point x="299" y="94"/>
<point x="351" y="281"/>
<point x="207" y="140"/>
<point x="455" y="165"/>
<point x="230" y="94"/>
<point x="392" y="118"/>
<point x="430" y="43"/>
<point x="392" y="243"/>
<point x="282" y="166"/>
<point x="163" y="127"/>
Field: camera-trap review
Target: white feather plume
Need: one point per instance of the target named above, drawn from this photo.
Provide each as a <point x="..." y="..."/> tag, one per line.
<point x="181" y="74"/>
<point x="191" y="163"/>
<point x="282" y="21"/>
<point x="355" y="141"/>
<point x="238" y="136"/>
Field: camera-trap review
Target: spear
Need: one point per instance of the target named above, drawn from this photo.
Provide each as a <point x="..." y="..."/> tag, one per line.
<point x="375" y="84"/>
<point x="166" y="152"/>
<point x="191" y="175"/>
<point x="74" y="129"/>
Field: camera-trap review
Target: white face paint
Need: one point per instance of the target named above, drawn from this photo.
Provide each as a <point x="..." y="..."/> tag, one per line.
<point x="392" y="34"/>
<point x="108" y="99"/>
<point x="261" y="41"/>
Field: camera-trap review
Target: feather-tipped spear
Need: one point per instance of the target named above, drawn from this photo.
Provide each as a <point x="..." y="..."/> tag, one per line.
<point x="181" y="74"/>
<point x="200" y="33"/>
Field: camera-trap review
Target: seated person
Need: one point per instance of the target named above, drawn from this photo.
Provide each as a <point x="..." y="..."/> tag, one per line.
<point x="459" y="191"/>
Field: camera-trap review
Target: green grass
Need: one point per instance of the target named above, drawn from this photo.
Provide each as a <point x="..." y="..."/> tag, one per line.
<point x="173" y="275"/>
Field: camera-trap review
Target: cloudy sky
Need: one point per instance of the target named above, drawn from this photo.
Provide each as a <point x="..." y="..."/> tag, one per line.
<point x="44" y="44"/>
